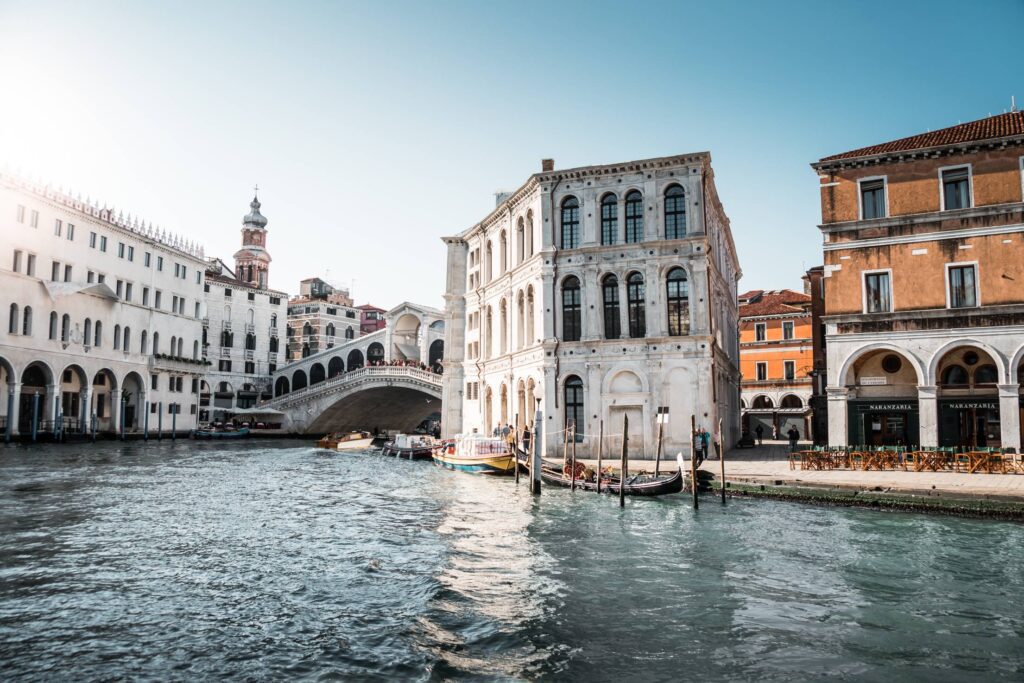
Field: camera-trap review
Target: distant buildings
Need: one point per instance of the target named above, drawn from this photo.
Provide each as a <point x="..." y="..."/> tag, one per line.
<point x="103" y="317"/>
<point x="244" y="325"/>
<point x="776" y="361"/>
<point x="371" y="318"/>
<point x="924" y="287"/>
<point x="319" y="317"/>
<point x="601" y="292"/>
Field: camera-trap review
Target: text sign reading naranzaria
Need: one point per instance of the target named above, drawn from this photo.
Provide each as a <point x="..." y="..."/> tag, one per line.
<point x="968" y="406"/>
<point x="890" y="406"/>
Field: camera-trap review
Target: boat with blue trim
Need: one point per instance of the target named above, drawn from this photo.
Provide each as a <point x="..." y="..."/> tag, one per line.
<point x="477" y="454"/>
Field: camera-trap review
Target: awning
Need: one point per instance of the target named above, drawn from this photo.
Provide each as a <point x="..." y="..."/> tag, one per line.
<point x="59" y="289"/>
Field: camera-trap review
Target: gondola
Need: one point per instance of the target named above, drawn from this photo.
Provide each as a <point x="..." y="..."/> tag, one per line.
<point x="637" y="485"/>
<point x="411" y="447"/>
<point x="221" y="433"/>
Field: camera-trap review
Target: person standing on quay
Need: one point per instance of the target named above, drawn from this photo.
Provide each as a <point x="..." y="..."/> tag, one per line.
<point x="794" y="436"/>
<point x="526" y="438"/>
<point x="760" y="435"/>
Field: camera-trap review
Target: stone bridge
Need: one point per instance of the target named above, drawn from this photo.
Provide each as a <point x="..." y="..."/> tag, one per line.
<point x="387" y="397"/>
<point x="374" y="381"/>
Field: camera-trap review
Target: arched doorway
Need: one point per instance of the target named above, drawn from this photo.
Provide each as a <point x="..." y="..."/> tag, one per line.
<point x="7" y="379"/>
<point x="968" y="400"/>
<point x="436" y="354"/>
<point x="316" y="374"/>
<point x="105" y="406"/>
<point x="882" y="404"/>
<point x="375" y="354"/>
<point x="335" y="367"/>
<point x="35" y="381"/>
<point x="281" y="386"/>
<point x="133" y="395"/>
<point x="405" y="337"/>
<point x="74" y="389"/>
<point x="298" y="380"/>
<point x="355" y="360"/>
<point x="223" y="400"/>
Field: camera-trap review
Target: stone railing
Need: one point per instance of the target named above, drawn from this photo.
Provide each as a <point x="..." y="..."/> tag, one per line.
<point x="365" y="374"/>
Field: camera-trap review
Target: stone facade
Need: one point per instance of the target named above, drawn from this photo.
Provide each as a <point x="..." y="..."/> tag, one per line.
<point x="924" y="308"/>
<point x="320" y="317"/>
<point x="103" y="317"/>
<point x="560" y="298"/>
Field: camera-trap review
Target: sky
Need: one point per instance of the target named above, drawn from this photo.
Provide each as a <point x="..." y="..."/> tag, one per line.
<point x="373" y="129"/>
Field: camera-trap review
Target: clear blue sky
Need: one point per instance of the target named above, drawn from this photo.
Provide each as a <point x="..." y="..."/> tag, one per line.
<point x="375" y="128"/>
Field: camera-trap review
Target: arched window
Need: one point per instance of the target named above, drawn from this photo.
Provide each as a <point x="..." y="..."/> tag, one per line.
<point x="156" y="343"/>
<point x="574" y="416"/>
<point x="12" y="323"/>
<point x="634" y="217"/>
<point x="87" y="332"/>
<point x="520" y="320"/>
<point x="489" y="262"/>
<point x="273" y="319"/>
<point x="53" y="324"/>
<point x="117" y="337"/>
<point x="65" y="327"/>
<point x="143" y="341"/>
<point x="609" y="219"/>
<point x="678" y="300"/>
<point x="181" y="347"/>
<point x="350" y="333"/>
<point x="26" y="322"/>
<point x="954" y="375"/>
<point x="250" y="315"/>
<point x="529" y="233"/>
<point x="762" y="403"/>
<point x="174" y="345"/>
<point x="305" y="350"/>
<point x="489" y="330"/>
<point x="986" y="374"/>
<point x="227" y="313"/>
<point x="791" y="401"/>
<point x="570" y="223"/>
<point x="503" y="339"/>
<point x="520" y="241"/>
<point x="307" y="329"/>
<point x="127" y="345"/>
<point x="675" y="213"/>
<point x="330" y="329"/>
<point x="635" y="294"/>
<point x="503" y="251"/>
<point x="610" y="301"/>
<point x="250" y="342"/>
<point x="273" y="344"/>
<point x="99" y="334"/>
<point x="571" y="317"/>
<point x="529" y="315"/>
<point x="195" y="349"/>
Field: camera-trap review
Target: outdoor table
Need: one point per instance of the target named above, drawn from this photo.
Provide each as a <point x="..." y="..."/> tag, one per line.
<point x="930" y="460"/>
<point x="977" y="460"/>
<point x="872" y="459"/>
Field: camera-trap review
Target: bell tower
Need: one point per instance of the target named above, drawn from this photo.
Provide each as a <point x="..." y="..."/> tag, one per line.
<point x="252" y="261"/>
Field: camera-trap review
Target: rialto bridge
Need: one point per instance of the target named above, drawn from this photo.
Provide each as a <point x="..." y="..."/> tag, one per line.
<point x="389" y="379"/>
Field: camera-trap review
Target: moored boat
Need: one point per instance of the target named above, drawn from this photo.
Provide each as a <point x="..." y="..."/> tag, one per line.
<point x="411" y="446"/>
<point x="221" y="433"/>
<point x="477" y="454"/>
<point x="641" y="484"/>
<point x="351" y="441"/>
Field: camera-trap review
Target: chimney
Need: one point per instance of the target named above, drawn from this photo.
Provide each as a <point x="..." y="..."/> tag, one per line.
<point x="547" y="165"/>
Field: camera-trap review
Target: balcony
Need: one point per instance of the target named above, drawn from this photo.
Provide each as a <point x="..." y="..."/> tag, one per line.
<point x="206" y="322"/>
<point x="273" y="332"/>
<point x="250" y="328"/>
<point x="225" y="352"/>
<point x="272" y="357"/>
<point x="168" y="363"/>
<point x="226" y="325"/>
<point x="249" y="354"/>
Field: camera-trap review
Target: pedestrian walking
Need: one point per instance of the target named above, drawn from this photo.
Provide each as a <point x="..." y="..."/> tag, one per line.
<point x="705" y="444"/>
<point x="760" y="435"/>
<point x="775" y="432"/>
<point x="794" y="436"/>
<point x="526" y="438"/>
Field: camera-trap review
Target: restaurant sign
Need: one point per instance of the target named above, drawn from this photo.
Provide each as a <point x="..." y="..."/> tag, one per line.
<point x="884" y="406"/>
<point x="976" y="405"/>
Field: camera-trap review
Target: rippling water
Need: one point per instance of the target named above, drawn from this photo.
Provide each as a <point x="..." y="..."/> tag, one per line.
<point x="277" y="561"/>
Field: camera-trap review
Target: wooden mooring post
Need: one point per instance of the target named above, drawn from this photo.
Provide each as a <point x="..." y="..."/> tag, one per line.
<point x="625" y="461"/>
<point x="721" y="456"/>
<point x="693" y="459"/>
<point x="600" y="446"/>
<point x="572" y="476"/>
<point x="535" y="456"/>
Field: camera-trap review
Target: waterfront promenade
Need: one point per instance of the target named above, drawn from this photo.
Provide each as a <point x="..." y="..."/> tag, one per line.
<point x="769" y="464"/>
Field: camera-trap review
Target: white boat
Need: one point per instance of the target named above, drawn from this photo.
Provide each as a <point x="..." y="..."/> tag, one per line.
<point x="411" y="446"/>
<point x="353" y="441"/>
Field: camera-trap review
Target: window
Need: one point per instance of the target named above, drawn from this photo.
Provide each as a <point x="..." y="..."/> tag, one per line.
<point x="146" y="258"/>
<point x="877" y="295"/>
<point x="675" y="213"/>
<point x="120" y="250"/>
<point x="956" y="190"/>
<point x="128" y="291"/>
<point x="17" y="261"/>
<point x="156" y="299"/>
<point x="55" y="271"/>
<point x="58" y="227"/>
<point x="35" y="219"/>
<point x="571" y="309"/>
<point x="26" y="323"/>
<point x="678" y="298"/>
<point x="117" y="337"/>
<point x="120" y="289"/>
<point x="21" y="213"/>
<point x="154" y="382"/>
<point x="762" y="371"/>
<point x="963" y="287"/>
<point x="101" y="278"/>
<point x="103" y="243"/>
<point x="65" y="327"/>
<point x="787" y="329"/>
<point x="30" y="265"/>
<point x="197" y="310"/>
<point x="635" y="295"/>
<point x="12" y="321"/>
<point x="145" y="296"/>
<point x="160" y="263"/>
<point x="92" y="240"/>
<point x="574" y="405"/>
<point x="99" y="334"/>
<point x="86" y="333"/>
<point x="634" y="217"/>
<point x="610" y="298"/>
<point x="53" y="325"/>
<point x="227" y="292"/>
<point x="609" y="219"/>
<point x="252" y="296"/>
<point x="570" y="223"/>
<point x="67" y="273"/>
<point x="131" y="253"/>
<point x="789" y="368"/>
<point x="872" y="198"/>
<point x="71" y="232"/>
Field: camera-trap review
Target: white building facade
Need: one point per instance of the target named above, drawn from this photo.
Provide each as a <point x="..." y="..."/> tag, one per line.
<point x="103" y="318"/>
<point x="243" y="326"/>
<point x="595" y="294"/>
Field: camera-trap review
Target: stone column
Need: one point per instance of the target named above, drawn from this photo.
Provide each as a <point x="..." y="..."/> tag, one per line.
<point x="838" y="429"/>
<point x="656" y="326"/>
<point x="85" y="401"/>
<point x="48" y="403"/>
<point x="699" y="297"/>
<point x="928" y="414"/>
<point x="14" y="413"/>
<point x="1009" y="415"/>
<point x="623" y="308"/>
<point x="591" y="303"/>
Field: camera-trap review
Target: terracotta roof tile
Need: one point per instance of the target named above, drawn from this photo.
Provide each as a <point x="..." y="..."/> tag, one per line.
<point x="781" y="302"/>
<point x="993" y="127"/>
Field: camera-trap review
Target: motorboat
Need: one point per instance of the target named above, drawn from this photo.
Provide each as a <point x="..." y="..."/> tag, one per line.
<point x="342" y="441"/>
<point x="477" y="454"/>
<point x="227" y="432"/>
<point x="411" y="446"/>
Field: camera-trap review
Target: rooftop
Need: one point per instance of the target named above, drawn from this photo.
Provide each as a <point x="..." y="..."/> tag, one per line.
<point x="758" y="302"/>
<point x="1006" y="125"/>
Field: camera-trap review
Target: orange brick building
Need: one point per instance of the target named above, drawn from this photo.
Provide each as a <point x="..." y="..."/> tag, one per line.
<point x="924" y="287"/>
<point x="776" y="360"/>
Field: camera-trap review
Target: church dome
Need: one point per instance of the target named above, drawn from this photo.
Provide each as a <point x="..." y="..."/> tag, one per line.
<point x="254" y="218"/>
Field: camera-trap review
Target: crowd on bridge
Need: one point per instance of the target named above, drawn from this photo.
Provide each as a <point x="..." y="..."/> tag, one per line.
<point x="436" y="368"/>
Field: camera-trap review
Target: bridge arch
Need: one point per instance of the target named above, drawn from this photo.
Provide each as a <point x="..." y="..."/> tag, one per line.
<point x="375" y="353"/>
<point x="282" y="386"/>
<point x="317" y="374"/>
<point x="299" y="380"/>
<point x="335" y="367"/>
<point x="355" y="359"/>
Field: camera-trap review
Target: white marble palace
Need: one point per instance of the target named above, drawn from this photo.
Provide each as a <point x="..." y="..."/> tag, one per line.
<point x="103" y="323"/>
<point x="595" y="293"/>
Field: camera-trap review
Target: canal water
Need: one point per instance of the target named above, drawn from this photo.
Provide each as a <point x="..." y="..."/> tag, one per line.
<point x="264" y="561"/>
